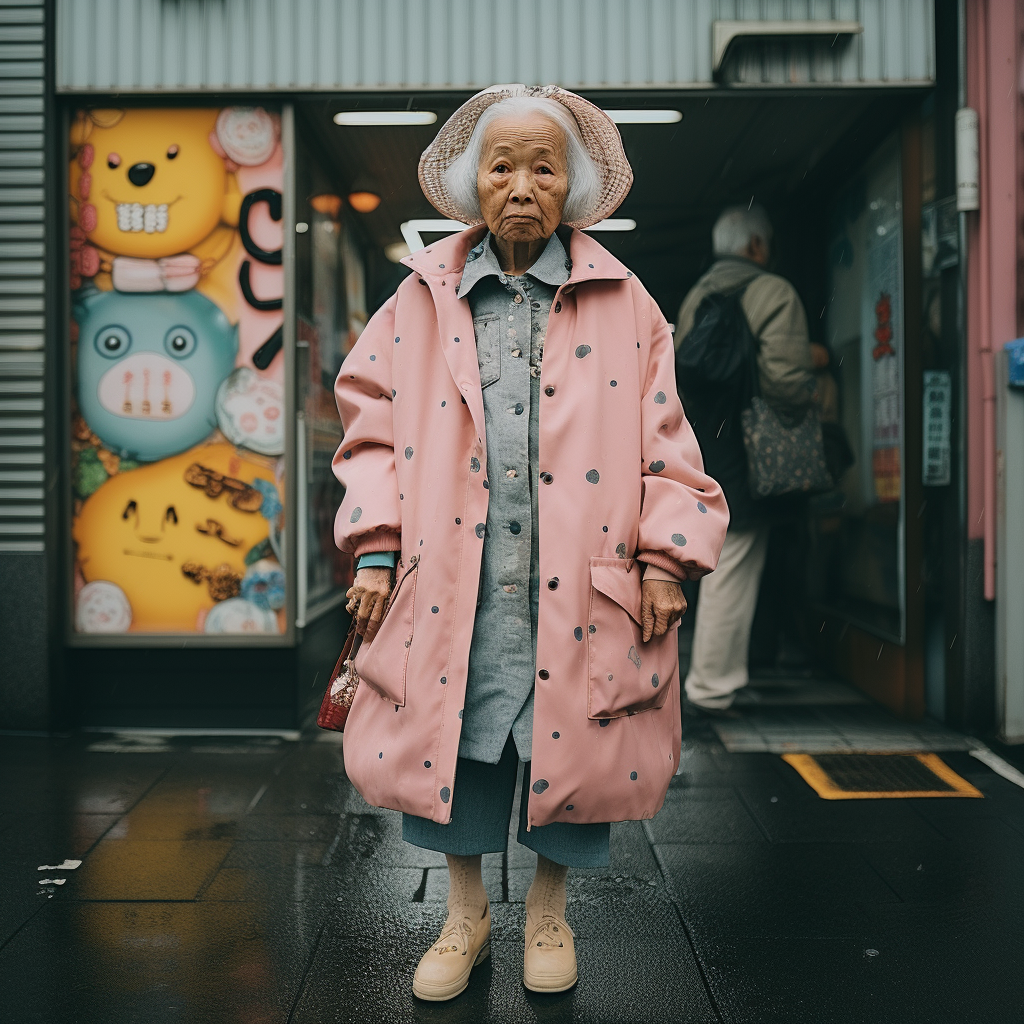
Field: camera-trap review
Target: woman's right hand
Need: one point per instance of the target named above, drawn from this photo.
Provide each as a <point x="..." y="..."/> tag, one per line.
<point x="368" y="599"/>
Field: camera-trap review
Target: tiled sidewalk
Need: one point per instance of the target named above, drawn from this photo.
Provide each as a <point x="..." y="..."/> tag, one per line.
<point x="229" y="881"/>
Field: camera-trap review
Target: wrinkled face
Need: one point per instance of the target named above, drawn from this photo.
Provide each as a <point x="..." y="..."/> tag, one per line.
<point x="149" y="367"/>
<point x="523" y="177"/>
<point x="155" y="182"/>
<point x="141" y="526"/>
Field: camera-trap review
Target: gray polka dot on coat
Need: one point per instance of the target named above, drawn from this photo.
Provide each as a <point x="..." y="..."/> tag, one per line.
<point x="679" y="540"/>
<point x="582" y="351"/>
<point x="603" y="722"/>
<point x="655" y="680"/>
<point x="620" y="550"/>
<point x="426" y="764"/>
<point x="397" y="340"/>
<point x="347" y="455"/>
<point x="356" y="513"/>
<point x="446" y="794"/>
<point x="701" y="507"/>
<point x="474" y="465"/>
<point x="614" y="383"/>
<point x="481" y="528"/>
<point x="540" y="785"/>
<point x="435" y="609"/>
<point x="443" y="404"/>
<point x="660" y="399"/>
<point x="578" y="632"/>
<point x="408" y="453"/>
<point x="632" y="775"/>
<point x="555" y="735"/>
<point x="394" y="393"/>
<point x="373" y="359"/>
<point x="381" y="755"/>
<point x="657" y="466"/>
<point x="592" y="628"/>
<point x="593" y="476"/>
<point x="569" y="807"/>
<point x="634" y="656"/>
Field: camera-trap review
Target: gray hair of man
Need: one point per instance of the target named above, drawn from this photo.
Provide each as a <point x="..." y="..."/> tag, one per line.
<point x="584" y="177"/>
<point x="736" y="226"/>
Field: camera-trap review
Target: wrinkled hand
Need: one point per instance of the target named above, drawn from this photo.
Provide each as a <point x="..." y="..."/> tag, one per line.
<point x="368" y="600"/>
<point x="661" y="605"/>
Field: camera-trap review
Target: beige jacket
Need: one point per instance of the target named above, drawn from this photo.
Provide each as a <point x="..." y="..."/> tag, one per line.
<point x="776" y="318"/>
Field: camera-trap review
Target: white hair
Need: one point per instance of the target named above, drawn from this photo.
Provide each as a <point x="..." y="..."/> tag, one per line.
<point x="736" y="226"/>
<point x="584" y="177"/>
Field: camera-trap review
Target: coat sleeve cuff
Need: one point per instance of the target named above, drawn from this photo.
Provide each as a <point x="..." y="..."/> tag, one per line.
<point x="678" y="570"/>
<point x="663" y="562"/>
<point x="381" y="540"/>
<point x="655" y="572"/>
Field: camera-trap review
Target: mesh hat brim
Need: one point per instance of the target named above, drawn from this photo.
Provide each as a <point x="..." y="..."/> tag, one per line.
<point x="599" y="133"/>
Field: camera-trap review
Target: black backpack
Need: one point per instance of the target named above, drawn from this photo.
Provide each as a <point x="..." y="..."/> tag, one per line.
<point x="715" y="352"/>
<point x="713" y="375"/>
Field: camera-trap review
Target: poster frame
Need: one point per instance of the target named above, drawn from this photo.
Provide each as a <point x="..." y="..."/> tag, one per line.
<point x="289" y="637"/>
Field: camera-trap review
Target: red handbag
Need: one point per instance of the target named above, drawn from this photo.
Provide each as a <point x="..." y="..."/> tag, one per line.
<point x="341" y="689"/>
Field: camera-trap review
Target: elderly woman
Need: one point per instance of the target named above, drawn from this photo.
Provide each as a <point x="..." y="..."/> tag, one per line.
<point x="523" y="496"/>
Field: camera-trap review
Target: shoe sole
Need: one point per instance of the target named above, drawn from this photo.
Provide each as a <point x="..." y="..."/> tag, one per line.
<point x="441" y="995"/>
<point x="551" y="986"/>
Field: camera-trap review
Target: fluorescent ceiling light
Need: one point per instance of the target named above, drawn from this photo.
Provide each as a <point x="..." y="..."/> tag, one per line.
<point x="613" y="224"/>
<point x="645" y="116"/>
<point x="384" y="117"/>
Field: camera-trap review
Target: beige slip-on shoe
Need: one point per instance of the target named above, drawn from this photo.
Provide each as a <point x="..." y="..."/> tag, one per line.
<point x="549" y="960"/>
<point x="444" y="969"/>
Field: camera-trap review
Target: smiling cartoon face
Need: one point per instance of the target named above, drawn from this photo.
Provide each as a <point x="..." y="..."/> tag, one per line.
<point x="141" y="527"/>
<point x="149" y="367"/>
<point x="156" y="184"/>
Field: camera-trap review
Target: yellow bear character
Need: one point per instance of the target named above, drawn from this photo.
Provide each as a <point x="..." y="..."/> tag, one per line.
<point x="153" y="204"/>
<point x="172" y="536"/>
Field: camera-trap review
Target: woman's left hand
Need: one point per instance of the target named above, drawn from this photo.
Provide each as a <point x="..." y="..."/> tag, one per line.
<point x="662" y="604"/>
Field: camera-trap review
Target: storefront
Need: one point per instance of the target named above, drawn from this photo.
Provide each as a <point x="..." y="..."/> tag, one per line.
<point x="167" y="418"/>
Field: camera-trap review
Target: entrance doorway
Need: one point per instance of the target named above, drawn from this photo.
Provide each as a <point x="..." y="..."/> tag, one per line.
<point x="809" y="159"/>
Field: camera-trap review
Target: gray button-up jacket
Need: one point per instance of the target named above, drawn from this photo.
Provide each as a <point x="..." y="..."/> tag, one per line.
<point x="510" y="320"/>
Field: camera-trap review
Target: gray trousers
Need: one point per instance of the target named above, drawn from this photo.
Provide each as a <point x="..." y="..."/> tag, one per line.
<point x="481" y="810"/>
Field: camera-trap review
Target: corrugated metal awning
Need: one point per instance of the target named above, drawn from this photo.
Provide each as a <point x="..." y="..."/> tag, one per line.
<point x="140" y="46"/>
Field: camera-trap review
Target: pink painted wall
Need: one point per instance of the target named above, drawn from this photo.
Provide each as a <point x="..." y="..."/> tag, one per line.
<point x="992" y="89"/>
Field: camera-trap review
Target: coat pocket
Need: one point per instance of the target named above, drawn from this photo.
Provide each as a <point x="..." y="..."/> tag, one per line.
<point x="626" y="674"/>
<point x="487" y="331"/>
<point x="383" y="664"/>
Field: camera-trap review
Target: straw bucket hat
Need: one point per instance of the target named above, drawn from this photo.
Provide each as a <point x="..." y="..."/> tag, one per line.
<point x="599" y="133"/>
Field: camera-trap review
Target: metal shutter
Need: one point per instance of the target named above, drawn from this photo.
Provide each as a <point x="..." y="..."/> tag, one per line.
<point x="22" y="314"/>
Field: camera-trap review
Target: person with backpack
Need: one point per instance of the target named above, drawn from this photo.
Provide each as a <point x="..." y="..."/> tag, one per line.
<point x="738" y="315"/>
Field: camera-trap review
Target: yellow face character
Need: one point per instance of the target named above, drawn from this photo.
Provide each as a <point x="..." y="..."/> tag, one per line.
<point x="147" y="183"/>
<point x="141" y="527"/>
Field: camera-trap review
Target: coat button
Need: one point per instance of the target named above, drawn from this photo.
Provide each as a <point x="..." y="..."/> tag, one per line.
<point x="549" y="391"/>
<point x="546" y="477"/>
<point x="518" y="298"/>
<point x="553" y="583"/>
<point x="544" y="673"/>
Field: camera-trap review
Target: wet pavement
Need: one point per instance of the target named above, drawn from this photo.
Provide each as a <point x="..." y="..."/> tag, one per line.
<point x="245" y="881"/>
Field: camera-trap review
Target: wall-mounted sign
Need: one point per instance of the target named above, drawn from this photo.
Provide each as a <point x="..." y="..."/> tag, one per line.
<point x="178" y="410"/>
<point x="938" y="394"/>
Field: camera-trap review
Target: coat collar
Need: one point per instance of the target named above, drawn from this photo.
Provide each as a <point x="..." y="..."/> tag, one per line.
<point x="591" y="261"/>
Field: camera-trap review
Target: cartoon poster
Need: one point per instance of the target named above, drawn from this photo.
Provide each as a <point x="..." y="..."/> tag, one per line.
<point x="178" y="408"/>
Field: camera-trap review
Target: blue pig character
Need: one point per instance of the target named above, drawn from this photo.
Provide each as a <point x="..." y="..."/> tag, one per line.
<point x="149" y="366"/>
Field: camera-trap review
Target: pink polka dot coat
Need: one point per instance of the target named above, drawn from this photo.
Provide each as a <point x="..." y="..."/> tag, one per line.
<point x="621" y="477"/>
